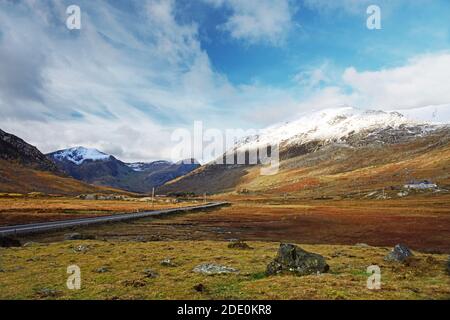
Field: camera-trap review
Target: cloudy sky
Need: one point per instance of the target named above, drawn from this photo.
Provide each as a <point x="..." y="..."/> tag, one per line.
<point x="137" y="70"/>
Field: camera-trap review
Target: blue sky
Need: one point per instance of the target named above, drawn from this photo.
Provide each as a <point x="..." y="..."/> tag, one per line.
<point x="137" y="70"/>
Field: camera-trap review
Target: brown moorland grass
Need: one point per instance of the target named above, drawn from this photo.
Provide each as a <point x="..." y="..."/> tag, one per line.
<point x="40" y="272"/>
<point x="17" y="210"/>
<point x="420" y="223"/>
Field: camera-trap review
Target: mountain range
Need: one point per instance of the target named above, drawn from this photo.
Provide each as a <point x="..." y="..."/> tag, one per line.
<point x="329" y="152"/>
<point x="97" y="168"/>
<point x="336" y="151"/>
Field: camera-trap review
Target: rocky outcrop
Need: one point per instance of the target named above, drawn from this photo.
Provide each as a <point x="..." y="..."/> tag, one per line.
<point x="295" y="260"/>
<point x="400" y="254"/>
<point x="14" y="149"/>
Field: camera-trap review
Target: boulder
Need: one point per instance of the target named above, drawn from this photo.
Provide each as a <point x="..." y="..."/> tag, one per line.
<point x="7" y="242"/>
<point x="295" y="260"/>
<point x="400" y="253"/>
<point x="212" y="269"/>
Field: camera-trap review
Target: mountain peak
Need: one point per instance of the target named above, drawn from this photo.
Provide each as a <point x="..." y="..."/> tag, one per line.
<point x="80" y="154"/>
<point x="331" y="125"/>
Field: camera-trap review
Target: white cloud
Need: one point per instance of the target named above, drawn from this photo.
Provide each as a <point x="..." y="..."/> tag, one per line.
<point x="258" y="21"/>
<point x="422" y="81"/>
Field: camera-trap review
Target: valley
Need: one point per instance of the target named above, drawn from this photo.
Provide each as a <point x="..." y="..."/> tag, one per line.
<point x="350" y="186"/>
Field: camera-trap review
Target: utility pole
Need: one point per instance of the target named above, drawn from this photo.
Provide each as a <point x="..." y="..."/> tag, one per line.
<point x="153" y="197"/>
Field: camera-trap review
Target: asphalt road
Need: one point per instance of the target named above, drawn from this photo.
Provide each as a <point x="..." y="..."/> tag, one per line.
<point x="58" y="225"/>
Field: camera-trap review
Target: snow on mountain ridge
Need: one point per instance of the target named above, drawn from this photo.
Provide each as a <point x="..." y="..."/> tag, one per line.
<point x="78" y="155"/>
<point x="330" y="124"/>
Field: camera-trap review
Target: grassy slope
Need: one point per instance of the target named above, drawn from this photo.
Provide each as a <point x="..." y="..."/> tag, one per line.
<point x="28" y="270"/>
<point x="16" y="178"/>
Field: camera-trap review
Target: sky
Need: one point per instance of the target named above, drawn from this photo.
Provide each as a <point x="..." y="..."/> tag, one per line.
<point x="139" y="69"/>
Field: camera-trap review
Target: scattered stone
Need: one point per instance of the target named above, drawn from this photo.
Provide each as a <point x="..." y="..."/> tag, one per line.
<point x="200" y="288"/>
<point x="7" y="242"/>
<point x="48" y="293"/>
<point x="149" y="273"/>
<point x="81" y="248"/>
<point x="168" y="263"/>
<point x="293" y="259"/>
<point x="212" y="269"/>
<point x="72" y="236"/>
<point x="238" y="244"/>
<point x="102" y="270"/>
<point x="362" y="245"/>
<point x="134" y="283"/>
<point x="400" y="253"/>
<point x="78" y="236"/>
<point x="140" y="239"/>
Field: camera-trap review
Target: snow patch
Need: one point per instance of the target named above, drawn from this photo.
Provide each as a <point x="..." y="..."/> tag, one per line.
<point x="331" y="125"/>
<point x="80" y="154"/>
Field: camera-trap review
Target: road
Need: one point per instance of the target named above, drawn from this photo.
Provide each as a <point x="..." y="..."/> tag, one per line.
<point x="58" y="225"/>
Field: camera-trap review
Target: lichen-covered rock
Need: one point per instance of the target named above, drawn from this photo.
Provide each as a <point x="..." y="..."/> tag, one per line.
<point x="293" y="259"/>
<point x="400" y="253"/>
<point x="212" y="269"/>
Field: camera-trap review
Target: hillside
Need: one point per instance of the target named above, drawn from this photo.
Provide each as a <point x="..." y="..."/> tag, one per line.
<point x="98" y="168"/>
<point x="338" y="153"/>
<point x="16" y="150"/>
<point x="24" y="169"/>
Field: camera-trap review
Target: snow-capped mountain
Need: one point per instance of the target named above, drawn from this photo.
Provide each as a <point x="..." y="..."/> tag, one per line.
<point x="144" y="166"/>
<point x="315" y="147"/>
<point x="336" y="125"/>
<point x="96" y="167"/>
<point x="78" y="155"/>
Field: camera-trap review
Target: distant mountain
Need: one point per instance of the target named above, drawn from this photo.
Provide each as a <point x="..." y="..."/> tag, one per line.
<point x="319" y="149"/>
<point x="24" y="169"/>
<point x="16" y="150"/>
<point x="98" y="168"/>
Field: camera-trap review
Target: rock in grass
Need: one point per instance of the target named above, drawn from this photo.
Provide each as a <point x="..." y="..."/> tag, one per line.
<point x="149" y="273"/>
<point x="212" y="269"/>
<point x="238" y="244"/>
<point x="8" y="242"/>
<point x="168" y="263"/>
<point x="78" y="236"/>
<point x="295" y="260"/>
<point x="47" y="293"/>
<point x="72" y="236"/>
<point x="400" y="253"/>
<point x="102" y="270"/>
<point x="200" y="288"/>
